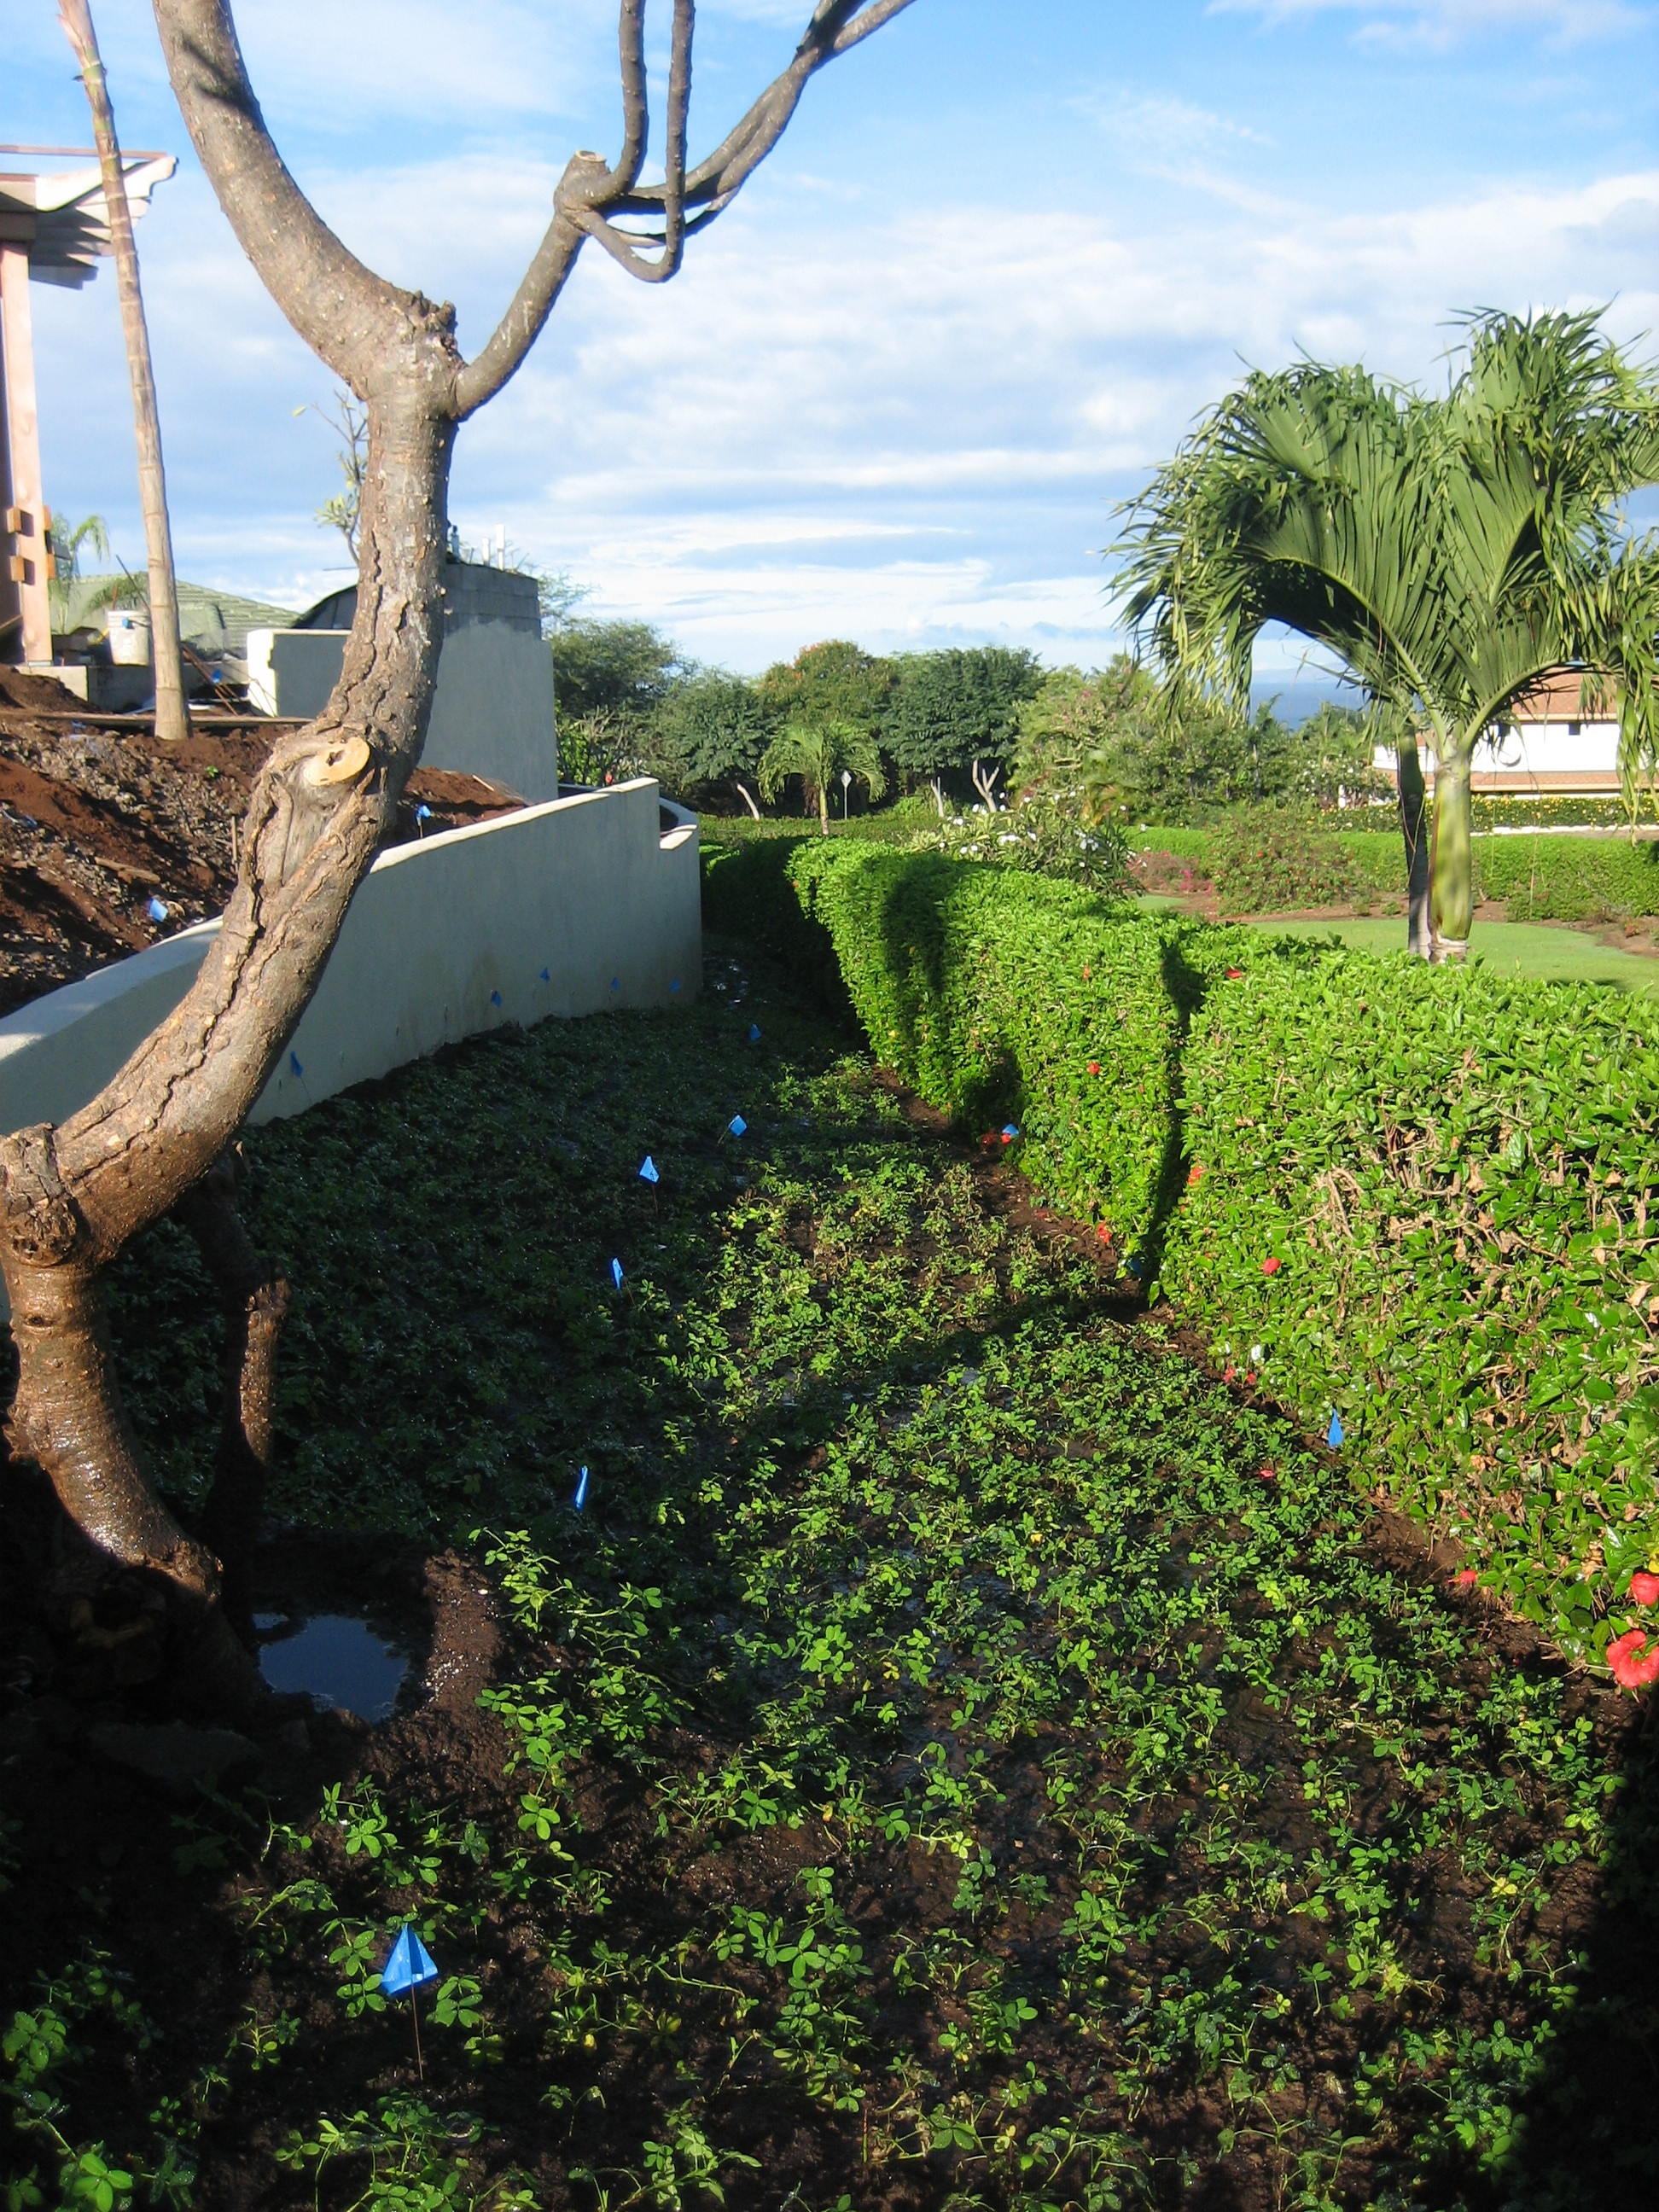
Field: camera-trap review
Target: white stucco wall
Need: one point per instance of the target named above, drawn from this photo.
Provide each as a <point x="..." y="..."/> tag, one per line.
<point x="569" y="907"/>
<point x="492" y="713"/>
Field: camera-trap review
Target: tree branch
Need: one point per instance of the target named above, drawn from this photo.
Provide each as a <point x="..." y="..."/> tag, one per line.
<point x="589" y="193"/>
<point x="344" y="312"/>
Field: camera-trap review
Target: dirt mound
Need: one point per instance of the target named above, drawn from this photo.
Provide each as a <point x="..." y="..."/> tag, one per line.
<point x="111" y="840"/>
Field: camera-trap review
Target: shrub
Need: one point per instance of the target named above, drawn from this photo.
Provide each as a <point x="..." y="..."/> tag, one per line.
<point x="1568" y="879"/>
<point x="1417" y="1196"/>
<point x="1264" y="861"/>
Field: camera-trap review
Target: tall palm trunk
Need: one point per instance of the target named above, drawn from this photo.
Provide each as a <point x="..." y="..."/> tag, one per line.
<point x="1414" y="827"/>
<point x="1451" y="901"/>
<point x="166" y="655"/>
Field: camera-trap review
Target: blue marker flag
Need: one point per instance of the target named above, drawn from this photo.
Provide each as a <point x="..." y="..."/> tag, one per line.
<point x="754" y="1032"/>
<point x="410" y="1966"/>
<point x="616" y="1272"/>
<point x="580" y="1498"/>
<point x="1010" y="1131"/>
<point x="494" y="998"/>
<point x="616" y="983"/>
<point x="1334" y="1434"/>
<point x="423" y="814"/>
<point x="546" y="978"/>
<point x="648" y="1170"/>
<point x="157" y="911"/>
<point x="675" y="985"/>
<point x="736" y="1127"/>
<point x="294" y="1062"/>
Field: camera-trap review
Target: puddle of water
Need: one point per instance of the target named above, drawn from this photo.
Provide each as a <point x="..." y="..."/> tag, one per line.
<point x="335" y="1658"/>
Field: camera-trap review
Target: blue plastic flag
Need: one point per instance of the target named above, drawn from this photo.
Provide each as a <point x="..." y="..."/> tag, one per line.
<point x="616" y="983"/>
<point x="494" y="998"/>
<point x="1334" y="1434"/>
<point x="546" y="978"/>
<point x="648" y="1170"/>
<point x="1010" y="1131"/>
<point x="616" y="1272"/>
<point x="754" y="1032"/>
<point x="294" y="1062"/>
<point x="423" y="814"/>
<point x="410" y="1966"/>
<point x="736" y="1127"/>
<point x="157" y="911"/>
<point x="580" y="1498"/>
<point x="1133" y="1267"/>
<point x="675" y="985"/>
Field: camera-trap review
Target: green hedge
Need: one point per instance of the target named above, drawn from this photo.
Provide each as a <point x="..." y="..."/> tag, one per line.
<point x="1454" y="1175"/>
<point x="1545" y="878"/>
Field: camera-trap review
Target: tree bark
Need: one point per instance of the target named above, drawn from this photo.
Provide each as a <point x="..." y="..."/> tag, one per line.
<point x="744" y="794"/>
<point x="166" y="656"/>
<point x="1414" y="827"/>
<point x="1452" y="886"/>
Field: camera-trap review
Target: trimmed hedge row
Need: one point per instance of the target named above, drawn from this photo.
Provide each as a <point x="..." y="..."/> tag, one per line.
<point x="1420" y="1197"/>
<point x="1546" y="877"/>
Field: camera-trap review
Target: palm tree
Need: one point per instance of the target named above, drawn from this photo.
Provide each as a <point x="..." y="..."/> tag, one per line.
<point x="1453" y="551"/>
<point x="818" y="752"/>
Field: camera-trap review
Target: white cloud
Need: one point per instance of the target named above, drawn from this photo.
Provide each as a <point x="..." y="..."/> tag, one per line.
<point x="1441" y="23"/>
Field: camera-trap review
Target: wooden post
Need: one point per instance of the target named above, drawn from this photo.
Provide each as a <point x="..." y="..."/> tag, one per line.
<point x="27" y="520"/>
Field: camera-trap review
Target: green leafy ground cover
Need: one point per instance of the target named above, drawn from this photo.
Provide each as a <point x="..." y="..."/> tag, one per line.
<point x="962" y="1756"/>
<point x="1545" y="952"/>
<point x="1418" y="1196"/>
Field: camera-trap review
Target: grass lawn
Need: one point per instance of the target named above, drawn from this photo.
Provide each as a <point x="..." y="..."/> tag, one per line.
<point x="1552" y="954"/>
<point x="960" y="1755"/>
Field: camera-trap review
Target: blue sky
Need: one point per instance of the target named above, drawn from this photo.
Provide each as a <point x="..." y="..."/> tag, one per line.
<point x="1004" y="255"/>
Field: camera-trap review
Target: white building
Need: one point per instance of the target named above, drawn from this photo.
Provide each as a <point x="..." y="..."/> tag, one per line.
<point x="1562" y="741"/>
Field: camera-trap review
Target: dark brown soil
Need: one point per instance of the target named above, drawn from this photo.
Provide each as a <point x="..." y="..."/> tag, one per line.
<point x="95" y="823"/>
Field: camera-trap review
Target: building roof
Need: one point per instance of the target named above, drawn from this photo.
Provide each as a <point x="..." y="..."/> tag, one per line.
<point x="212" y="620"/>
<point x="1569" y="695"/>
<point x="62" y="217"/>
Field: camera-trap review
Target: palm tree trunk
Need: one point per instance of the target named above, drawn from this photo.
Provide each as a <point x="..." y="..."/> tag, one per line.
<point x="823" y="808"/>
<point x="1415" y="827"/>
<point x="167" y="659"/>
<point x="1451" y="898"/>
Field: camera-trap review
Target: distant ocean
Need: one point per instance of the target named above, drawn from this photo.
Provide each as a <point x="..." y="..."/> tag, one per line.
<point x="1295" y="697"/>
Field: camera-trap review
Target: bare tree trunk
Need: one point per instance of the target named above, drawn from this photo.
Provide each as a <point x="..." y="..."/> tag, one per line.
<point x="984" y="782"/>
<point x="167" y="659"/>
<point x="743" y="794"/>
<point x="1414" y="827"/>
<point x="937" y="789"/>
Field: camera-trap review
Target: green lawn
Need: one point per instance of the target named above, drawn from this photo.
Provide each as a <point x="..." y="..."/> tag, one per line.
<point x="961" y="1755"/>
<point x="1553" y="954"/>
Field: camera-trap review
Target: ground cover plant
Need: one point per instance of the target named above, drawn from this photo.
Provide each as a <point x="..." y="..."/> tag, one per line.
<point x="962" y="1753"/>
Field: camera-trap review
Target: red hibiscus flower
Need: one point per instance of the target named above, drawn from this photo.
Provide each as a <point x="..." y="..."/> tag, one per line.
<point x="1468" y="1577"/>
<point x="1094" y="1067"/>
<point x="1233" y="975"/>
<point x="1633" y="1667"/>
<point x="1195" y="1173"/>
<point x="1644" y="1588"/>
<point x="1104" y="1233"/>
<point x="1270" y="1266"/>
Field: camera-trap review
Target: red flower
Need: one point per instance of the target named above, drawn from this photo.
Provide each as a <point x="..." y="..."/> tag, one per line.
<point x="1195" y="1173"/>
<point x="1644" y="1588"/>
<point x="1469" y="1575"/>
<point x="1268" y="1473"/>
<point x="1085" y="975"/>
<point x="1104" y="1232"/>
<point x="1233" y="975"/>
<point x="1094" y="1067"/>
<point x="1270" y="1266"/>
<point x="1230" y="1375"/>
<point x="1633" y="1668"/>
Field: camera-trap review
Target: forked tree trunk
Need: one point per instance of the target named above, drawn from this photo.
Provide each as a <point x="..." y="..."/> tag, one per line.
<point x="1452" y="883"/>
<point x="74" y="1196"/>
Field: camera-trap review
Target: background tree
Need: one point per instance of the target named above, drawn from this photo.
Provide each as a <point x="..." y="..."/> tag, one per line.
<point x="71" y="1197"/>
<point x="712" y="729"/>
<point x="818" y="752"/>
<point x="958" y="711"/>
<point x="343" y="510"/>
<point x="69" y="541"/>
<point x="167" y="652"/>
<point x="834" y="682"/>
<point x="626" y="667"/>
<point x="1454" y="551"/>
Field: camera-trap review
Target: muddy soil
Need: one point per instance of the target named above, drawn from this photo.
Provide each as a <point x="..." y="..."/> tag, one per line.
<point x="111" y="840"/>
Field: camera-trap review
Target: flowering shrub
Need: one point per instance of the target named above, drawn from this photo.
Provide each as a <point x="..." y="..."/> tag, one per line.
<point x="1045" y="832"/>
<point x="1426" y="1193"/>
